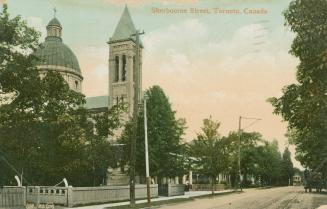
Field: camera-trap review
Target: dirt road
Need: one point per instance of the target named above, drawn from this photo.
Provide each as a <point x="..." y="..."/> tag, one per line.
<point x="275" y="198"/>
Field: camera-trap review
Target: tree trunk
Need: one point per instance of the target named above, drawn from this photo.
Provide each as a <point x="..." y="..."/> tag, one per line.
<point x="212" y="185"/>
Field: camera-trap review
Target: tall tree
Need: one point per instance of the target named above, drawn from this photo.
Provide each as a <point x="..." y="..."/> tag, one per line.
<point x="165" y="134"/>
<point x="287" y="168"/>
<point x="45" y="132"/>
<point x="304" y="104"/>
<point x="270" y="163"/>
<point x="260" y="159"/>
<point x="209" y="150"/>
<point x="19" y="81"/>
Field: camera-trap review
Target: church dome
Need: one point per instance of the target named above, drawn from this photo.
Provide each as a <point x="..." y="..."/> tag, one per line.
<point x="54" y="22"/>
<point x="53" y="53"/>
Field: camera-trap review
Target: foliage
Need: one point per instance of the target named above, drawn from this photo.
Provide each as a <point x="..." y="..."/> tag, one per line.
<point x="260" y="159"/>
<point x="210" y="150"/>
<point x="45" y="132"/>
<point x="165" y="133"/>
<point x="304" y="104"/>
<point x="287" y="168"/>
<point x="249" y="155"/>
<point x="269" y="164"/>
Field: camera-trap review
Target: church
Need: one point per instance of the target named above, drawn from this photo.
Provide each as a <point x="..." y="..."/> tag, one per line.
<point x="55" y="55"/>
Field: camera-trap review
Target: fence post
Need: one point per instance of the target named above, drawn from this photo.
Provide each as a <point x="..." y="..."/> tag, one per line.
<point x="70" y="202"/>
<point x="24" y="195"/>
<point x="37" y="190"/>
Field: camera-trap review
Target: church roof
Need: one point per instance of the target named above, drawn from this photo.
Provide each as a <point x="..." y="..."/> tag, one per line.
<point x="54" y="22"/>
<point x="97" y="102"/>
<point x="125" y="27"/>
<point x="54" y="52"/>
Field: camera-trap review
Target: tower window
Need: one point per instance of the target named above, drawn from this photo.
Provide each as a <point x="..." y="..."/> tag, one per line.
<point x="76" y="84"/>
<point x="124" y="69"/>
<point x="117" y="100"/>
<point x="116" y="69"/>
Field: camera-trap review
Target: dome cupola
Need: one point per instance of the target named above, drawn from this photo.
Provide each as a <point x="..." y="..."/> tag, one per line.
<point x="54" y="28"/>
<point x="53" y="54"/>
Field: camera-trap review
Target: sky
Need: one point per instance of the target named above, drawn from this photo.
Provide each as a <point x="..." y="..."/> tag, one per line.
<point x="223" y="65"/>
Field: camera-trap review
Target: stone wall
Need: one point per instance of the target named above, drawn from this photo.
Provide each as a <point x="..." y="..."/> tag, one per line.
<point x="74" y="196"/>
<point x="44" y="195"/>
<point x="171" y="189"/>
<point x="207" y="187"/>
<point x="12" y="198"/>
<point x="94" y="195"/>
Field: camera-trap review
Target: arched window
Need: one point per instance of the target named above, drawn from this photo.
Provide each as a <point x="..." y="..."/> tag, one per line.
<point x="123" y="76"/>
<point x="116" y="69"/>
<point x="117" y="100"/>
<point x="76" y="85"/>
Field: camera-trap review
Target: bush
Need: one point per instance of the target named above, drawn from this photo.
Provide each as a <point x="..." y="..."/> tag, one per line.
<point x="224" y="183"/>
<point x="247" y="183"/>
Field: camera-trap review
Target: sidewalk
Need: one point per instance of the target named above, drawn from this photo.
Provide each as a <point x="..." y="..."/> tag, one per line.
<point x="160" y="198"/>
<point x="323" y="207"/>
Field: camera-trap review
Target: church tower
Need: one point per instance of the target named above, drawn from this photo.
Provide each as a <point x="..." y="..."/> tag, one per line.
<point x="122" y="62"/>
<point x="122" y="59"/>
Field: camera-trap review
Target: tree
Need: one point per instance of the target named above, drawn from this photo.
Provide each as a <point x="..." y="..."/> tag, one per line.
<point x="45" y="138"/>
<point x="249" y="155"/>
<point x="18" y="80"/>
<point x="45" y="131"/>
<point x="287" y="168"/>
<point x="208" y="148"/>
<point x="260" y="159"/>
<point x="164" y="137"/>
<point x="304" y="105"/>
<point x="270" y="164"/>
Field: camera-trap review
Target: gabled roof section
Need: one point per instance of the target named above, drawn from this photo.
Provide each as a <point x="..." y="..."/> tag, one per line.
<point x="125" y="27"/>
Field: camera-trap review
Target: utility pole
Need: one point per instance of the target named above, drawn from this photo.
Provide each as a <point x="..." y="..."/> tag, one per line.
<point x="239" y="151"/>
<point x="239" y="145"/>
<point x="136" y="80"/>
<point x="148" y="178"/>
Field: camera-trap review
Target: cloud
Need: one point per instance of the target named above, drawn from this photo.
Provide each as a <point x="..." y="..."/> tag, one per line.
<point x="224" y="77"/>
<point x="204" y="75"/>
<point x="38" y="24"/>
<point x="100" y="70"/>
<point x="94" y="65"/>
<point x="217" y="95"/>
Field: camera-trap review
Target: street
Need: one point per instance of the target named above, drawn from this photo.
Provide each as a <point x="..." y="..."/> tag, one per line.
<point x="275" y="198"/>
